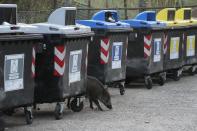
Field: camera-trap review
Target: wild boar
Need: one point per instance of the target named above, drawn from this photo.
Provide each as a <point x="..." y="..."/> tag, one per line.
<point x="96" y="92"/>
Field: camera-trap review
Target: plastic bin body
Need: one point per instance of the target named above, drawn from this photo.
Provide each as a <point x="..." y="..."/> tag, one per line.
<point x="61" y="68"/>
<point x="173" y="43"/>
<point x="190" y="46"/>
<point x="184" y="15"/>
<point x="103" y="62"/>
<point x="107" y="52"/>
<point x="173" y="53"/>
<point x="17" y="65"/>
<point x="144" y="56"/>
<point x="145" y="48"/>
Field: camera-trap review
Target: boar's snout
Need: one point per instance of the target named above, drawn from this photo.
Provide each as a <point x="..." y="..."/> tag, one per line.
<point x="109" y="107"/>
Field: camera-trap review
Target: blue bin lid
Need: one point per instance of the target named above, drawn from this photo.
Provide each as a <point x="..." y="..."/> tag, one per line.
<point x="105" y="19"/>
<point x="146" y="19"/>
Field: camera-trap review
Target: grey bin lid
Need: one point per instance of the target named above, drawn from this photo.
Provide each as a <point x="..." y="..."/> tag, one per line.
<point x="7" y="28"/>
<point x="58" y="23"/>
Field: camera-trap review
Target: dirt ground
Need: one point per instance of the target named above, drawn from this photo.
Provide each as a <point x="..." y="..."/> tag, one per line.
<point x="172" y="107"/>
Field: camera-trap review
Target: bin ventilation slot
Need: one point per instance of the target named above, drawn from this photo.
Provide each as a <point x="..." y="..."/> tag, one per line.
<point x="70" y="16"/>
<point x="151" y="17"/>
<point x="171" y="15"/>
<point x="8" y="14"/>
<point x="187" y="14"/>
<point x="110" y="17"/>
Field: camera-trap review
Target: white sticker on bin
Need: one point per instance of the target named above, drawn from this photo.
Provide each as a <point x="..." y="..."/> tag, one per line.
<point x="75" y="66"/>
<point x="117" y="55"/>
<point x="13" y="72"/>
<point x="157" y="50"/>
<point x="174" y="47"/>
<point x="191" y="45"/>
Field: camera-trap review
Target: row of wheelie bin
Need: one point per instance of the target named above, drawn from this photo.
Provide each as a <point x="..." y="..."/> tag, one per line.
<point x="49" y="62"/>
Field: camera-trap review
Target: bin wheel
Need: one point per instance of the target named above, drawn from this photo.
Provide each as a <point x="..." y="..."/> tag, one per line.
<point x="177" y="76"/>
<point x="28" y="116"/>
<point x="2" y="129"/>
<point x="192" y="71"/>
<point x="122" y="89"/>
<point x="9" y="112"/>
<point x="148" y="83"/>
<point x="2" y="125"/>
<point x="162" y="79"/>
<point x="74" y="106"/>
<point x="59" y="111"/>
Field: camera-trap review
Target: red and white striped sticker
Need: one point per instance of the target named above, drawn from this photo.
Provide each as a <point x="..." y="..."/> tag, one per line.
<point x="87" y="56"/>
<point x="105" y="44"/>
<point x="147" y="45"/>
<point x="165" y="44"/>
<point x="33" y="62"/>
<point x="59" y="60"/>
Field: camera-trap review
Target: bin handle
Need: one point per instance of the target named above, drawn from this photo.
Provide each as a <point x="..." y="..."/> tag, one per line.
<point x="14" y="28"/>
<point x="76" y="28"/>
<point x="142" y="22"/>
<point x="53" y="29"/>
<point x="118" y="24"/>
<point x="100" y="24"/>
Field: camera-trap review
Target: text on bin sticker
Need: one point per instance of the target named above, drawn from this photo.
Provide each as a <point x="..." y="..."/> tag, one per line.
<point x="157" y="50"/>
<point x="191" y="45"/>
<point x="174" y="47"/>
<point x="13" y="72"/>
<point x="75" y="66"/>
<point x="116" y="55"/>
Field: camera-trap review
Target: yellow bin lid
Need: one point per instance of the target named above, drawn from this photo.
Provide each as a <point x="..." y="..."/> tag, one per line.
<point x="184" y="17"/>
<point x="167" y="15"/>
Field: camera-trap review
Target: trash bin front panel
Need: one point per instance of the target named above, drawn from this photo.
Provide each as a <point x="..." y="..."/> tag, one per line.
<point x="190" y="47"/>
<point x="173" y="46"/>
<point x="107" y="57"/>
<point x="77" y="52"/>
<point x="137" y="65"/>
<point x="116" y="67"/>
<point x="17" y="72"/>
<point x="156" y="57"/>
<point x="145" y="54"/>
<point x="62" y="70"/>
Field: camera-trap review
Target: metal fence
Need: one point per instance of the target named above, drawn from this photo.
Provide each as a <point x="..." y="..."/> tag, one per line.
<point x="84" y="13"/>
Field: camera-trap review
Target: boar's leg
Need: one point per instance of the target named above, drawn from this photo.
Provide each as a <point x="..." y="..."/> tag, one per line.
<point x="98" y="105"/>
<point x="68" y="103"/>
<point x="91" y="104"/>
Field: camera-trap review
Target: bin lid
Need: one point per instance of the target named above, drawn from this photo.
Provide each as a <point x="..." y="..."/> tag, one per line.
<point x="62" y="21"/>
<point x="146" y="19"/>
<point x="105" y="19"/>
<point x="184" y="16"/>
<point x="7" y="28"/>
<point x="167" y="15"/>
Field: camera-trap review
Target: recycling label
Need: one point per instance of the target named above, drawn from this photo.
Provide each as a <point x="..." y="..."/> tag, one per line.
<point x="157" y="50"/>
<point x="75" y="66"/>
<point x="191" y="45"/>
<point x="116" y="55"/>
<point x="174" y="47"/>
<point x="13" y="72"/>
